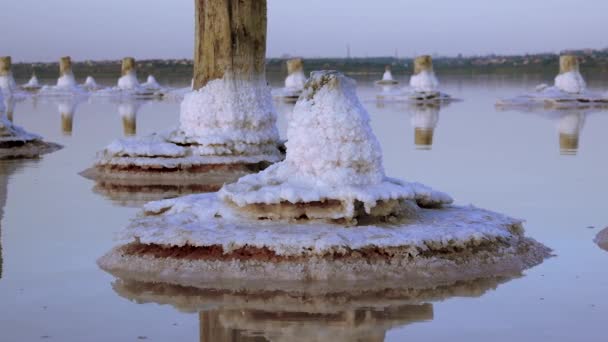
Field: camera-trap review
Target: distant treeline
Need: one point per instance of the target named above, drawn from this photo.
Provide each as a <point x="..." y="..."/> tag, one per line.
<point x="591" y="61"/>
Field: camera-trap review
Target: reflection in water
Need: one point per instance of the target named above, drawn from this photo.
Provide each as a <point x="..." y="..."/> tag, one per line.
<point x="424" y="120"/>
<point x="67" y="107"/>
<point x="6" y="169"/>
<point x="305" y="313"/>
<point x="569" y="127"/>
<point x="127" y="109"/>
<point x="9" y="104"/>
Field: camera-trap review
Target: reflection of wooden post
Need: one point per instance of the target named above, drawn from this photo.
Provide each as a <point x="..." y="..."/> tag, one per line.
<point x="423" y="137"/>
<point x="211" y="330"/>
<point x="5" y="65"/>
<point x="65" y="66"/>
<point x="230" y="39"/>
<point x="128" y="65"/>
<point x="67" y="123"/>
<point x="129" y="125"/>
<point x="423" y="63"/>
<point x="568" y="143"/>
<point x="568" y="63"/>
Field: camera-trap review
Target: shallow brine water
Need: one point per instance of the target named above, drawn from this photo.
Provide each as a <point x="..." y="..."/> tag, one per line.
<point x="54" y="225"/>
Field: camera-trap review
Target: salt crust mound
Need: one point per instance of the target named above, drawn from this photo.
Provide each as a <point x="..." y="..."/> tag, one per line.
<point x="332" y="155"/>
<point x="602" y="239"/>
<point x="15" y="142"/>
<point x="225" y="122"/>
<point x="90" y="83"/>
<point x="151" y="83"/>
<point x="128" y="82"/>
<point x="32" y="84"/>
<point x="569" y="91"/>
<point x="7" y="84"/>
<point x="424" y="82"/>
<point x="295" y="81"/>
<point x="424" y="88"/>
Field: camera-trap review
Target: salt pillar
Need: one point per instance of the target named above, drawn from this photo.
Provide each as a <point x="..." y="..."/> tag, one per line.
<point x="66" y="76"/>
<point x="295" y="74"/>
<point x="388" y="75"/>
<point x="128" y="79"/>
<point x="570" y="79"/>
<point x="7" y="82"/>
<point x="424" y="79"/>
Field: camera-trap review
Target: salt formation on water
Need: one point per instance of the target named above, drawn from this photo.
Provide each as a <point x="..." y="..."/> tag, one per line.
<point x="424" y="120"/>
<point x="568" y="91"/>
<point x="66" y="76"/>
<point x="128" y="79"/>
<point x="33" y="84"/>
<point x="151" y="83"/>
<point x="294" y="83"/>
<point x="15" y="142"/>
<point x="602" y="239"/>
<point x="128" y="85"/>
<point x="362" y="313"/>
<point x="90" y="84"/>
<point x="328" y="212"/>
<point x="387" y="77"/>
<point x="423" y="83"/>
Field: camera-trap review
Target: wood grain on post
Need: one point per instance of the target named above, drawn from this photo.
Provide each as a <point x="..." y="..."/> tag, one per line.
<point x="65" y="65"/>
<point x="5" y="65"/>
<point x="230" y="39"/>
<point x="128" y="65"/>
<point x="423" y="63"/>
<point x="568" y="63"/>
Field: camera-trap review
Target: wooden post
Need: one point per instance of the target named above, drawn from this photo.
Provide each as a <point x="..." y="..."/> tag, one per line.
<point x="230" y="40"/>
<point x="423" y="63"/>
<point x="65" y="66"/>
<point x="295" y="65"/>
<point x="568" y="63"/>
<point x="128" y="65"/>
<point x="5" y="65"/>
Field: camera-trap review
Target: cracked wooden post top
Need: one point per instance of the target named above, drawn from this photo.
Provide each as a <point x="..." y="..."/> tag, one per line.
<point x="423" y="63"/>
<point x="65" y="65"/>
<point x="5" y="65"/>
<point x="568" y="63"/>
<point x="230" y="39"/>
<point x="128" y="65"/>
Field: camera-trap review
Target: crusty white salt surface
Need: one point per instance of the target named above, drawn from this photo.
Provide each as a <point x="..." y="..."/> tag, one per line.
<point x="33" y="83"/>
<point x="15" y="142"/>
<point x="90" y="83"/>
<point x="294" y="84"/>
<point x="66" y="81"/>
<point x="602" y="239"/>
<point x="7" y="84"/>
<point x="128" y="81"/>
<point x="332" y="155"/>
<point x="424" y="82"/>
<point x="226" y="122"/>
<point x="151" y="83"/>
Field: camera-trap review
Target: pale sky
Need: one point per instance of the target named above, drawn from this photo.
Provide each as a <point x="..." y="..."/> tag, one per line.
<point x="43" y="30"/>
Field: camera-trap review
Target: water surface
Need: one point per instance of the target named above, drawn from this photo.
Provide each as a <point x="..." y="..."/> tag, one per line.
<point x="53" y="227"/>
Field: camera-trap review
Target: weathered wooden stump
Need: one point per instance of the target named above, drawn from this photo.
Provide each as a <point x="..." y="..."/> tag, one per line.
<point x="128" y="66"/>
<point x="423" y="63"/>
<point x="568" y="63"/>
<point x="5" y="65"/>
<point x="65" y="66"/>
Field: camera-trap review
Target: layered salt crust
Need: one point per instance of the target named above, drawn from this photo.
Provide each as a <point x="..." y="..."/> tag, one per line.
<point x="327" y="212"/>
<point x="15" y="142"/>
<point x="226" y="125"/>
<point x="569" y="91"/>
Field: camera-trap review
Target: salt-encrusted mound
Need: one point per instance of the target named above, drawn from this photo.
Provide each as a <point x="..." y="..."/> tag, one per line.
<point x="33" y="84"/>
<point x="602" y="239"/>
<point x="387" y="77"/>
<point x="306" y="313"/>
<point x="90" y="83"/>
<point x="294" y="83"/>
<point x="151" y="83"/>
<point x="327" y="213"/>
<point x="15" y="142"/>
<point x="227" y="129"/>
<point x="569" y="91"/>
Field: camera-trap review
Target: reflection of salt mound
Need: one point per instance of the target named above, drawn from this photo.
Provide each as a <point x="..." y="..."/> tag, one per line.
<point x="294" y="83"/>
<point x="602" y="239"/>
<point x="568" y="91"/>
<point x="226" y="129"/>
<point x="15" y="142"/>
<point x="327" y="212"/>
<point x="569" y="127"/>
<point x="66" y="108"/>
<point x="424" y="120"/>
<point x="128" y="113"/>
<point x="90" y="83"/>
<point x="307" y="314"/>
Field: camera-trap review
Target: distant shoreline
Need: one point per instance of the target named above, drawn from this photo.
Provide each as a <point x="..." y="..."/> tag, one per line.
<point x="592" y="61"/>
